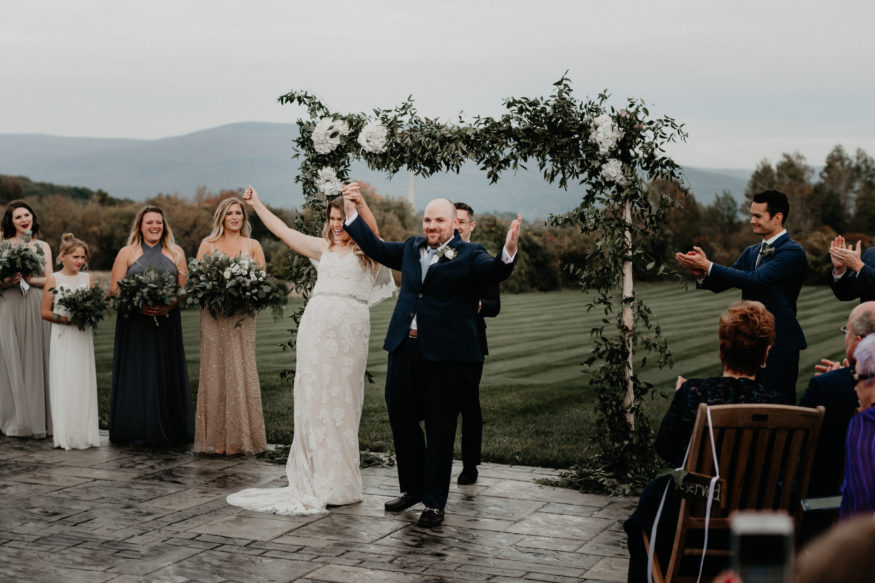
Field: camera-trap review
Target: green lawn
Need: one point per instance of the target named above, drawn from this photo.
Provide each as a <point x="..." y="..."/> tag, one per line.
<point x="535" y="407"/>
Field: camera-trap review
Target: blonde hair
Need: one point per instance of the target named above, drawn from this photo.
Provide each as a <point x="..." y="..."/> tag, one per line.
<point x="219" y="219"/>
<point x="70" y="243"/>
<point x="337" y="203"/>
<point x="135" y="239"/>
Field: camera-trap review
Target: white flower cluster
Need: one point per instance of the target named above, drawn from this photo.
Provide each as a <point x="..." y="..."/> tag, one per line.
<point x="613" y="170"/>
<point x="373" y="137"/>
<point x="606" y="134"/>
<point x="327" y="182"/>
<point x="327" y="134"/>
<point x="243" y="269"/>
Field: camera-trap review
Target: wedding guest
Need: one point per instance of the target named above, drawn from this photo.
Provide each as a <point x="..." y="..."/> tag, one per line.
<point x="331" y="355"/>
<point x="746" y="332"/>
<point x="843" y="554"/>
<point x="151" y="400"/>
<point x="24" y="337"/>
<point x="770" y="272"/>
<point x="72" y="374"/>
<point x="853" y="273"/>
<point x="834" y="390"/>
<point x="858" y="489"/>
<point x="229" y="418"/>
<point x="488" y="306"/>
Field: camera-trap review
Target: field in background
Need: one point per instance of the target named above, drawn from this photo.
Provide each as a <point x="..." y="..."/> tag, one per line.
<point x="535" y="406"/>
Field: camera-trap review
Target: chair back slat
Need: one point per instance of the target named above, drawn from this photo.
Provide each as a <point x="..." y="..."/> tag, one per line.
<point x="764" y="453"/>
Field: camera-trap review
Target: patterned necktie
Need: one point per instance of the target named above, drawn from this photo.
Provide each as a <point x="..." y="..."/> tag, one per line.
<point x="760" y="254"/>
<point x="426" y="261"/>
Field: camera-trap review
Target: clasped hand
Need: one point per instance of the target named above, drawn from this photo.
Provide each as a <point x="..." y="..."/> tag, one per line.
<point x="695" y="261"/>
<point x="845" y="256"/>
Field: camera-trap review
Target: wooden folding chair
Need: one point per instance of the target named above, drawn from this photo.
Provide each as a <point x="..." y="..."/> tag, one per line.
<point x="764" y="454"/>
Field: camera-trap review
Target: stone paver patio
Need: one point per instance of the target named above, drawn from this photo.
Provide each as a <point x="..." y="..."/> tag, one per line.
<point x="125" y="514"/>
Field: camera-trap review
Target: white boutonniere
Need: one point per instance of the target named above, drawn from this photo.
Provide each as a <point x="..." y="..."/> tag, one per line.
<point x="447" y="252"/>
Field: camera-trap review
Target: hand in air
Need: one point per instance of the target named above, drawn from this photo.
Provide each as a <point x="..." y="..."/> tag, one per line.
<point x="513" y="236"/>
<point x="827" y="365"/>
<point x="352" y="198"/>
<point x="845" y="256"/>
<point x="250" y="197"/>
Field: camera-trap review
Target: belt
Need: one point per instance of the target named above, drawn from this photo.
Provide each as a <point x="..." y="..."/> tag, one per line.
<point x="413" y="333"/>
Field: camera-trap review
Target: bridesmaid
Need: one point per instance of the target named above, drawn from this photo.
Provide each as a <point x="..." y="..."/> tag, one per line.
<point x="24" y="337"/>
<point x="72" y="375"/>
<point x="229" y="418"/>
<point x="151" y="400"/>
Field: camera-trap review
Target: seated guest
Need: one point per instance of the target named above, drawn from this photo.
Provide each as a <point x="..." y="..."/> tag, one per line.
<point x="746" y="332"/>
<point x="853" y="273"/>
<point x="835" y="391"/>
<point x="858" y="489"/>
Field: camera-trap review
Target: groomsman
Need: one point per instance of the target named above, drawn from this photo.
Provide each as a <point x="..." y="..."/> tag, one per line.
<point x="770" y="272"/>
<point x="488" y="306"/>
<point x="432" y="344"/>
<point x="853" y="273"/>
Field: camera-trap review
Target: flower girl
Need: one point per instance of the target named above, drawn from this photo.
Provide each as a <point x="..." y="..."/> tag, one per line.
<point x="72" y="376"/>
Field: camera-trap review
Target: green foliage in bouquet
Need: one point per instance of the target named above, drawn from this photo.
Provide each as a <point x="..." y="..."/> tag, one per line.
<point x="150" y="288"/>
<point x="21" y="259"/>
<point x="227" y="286"/>
<point x="87" y="305"/>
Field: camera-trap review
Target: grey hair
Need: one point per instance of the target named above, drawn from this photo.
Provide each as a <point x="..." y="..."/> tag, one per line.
<point x="865" y="356"/>
<point x="864" y="324"/>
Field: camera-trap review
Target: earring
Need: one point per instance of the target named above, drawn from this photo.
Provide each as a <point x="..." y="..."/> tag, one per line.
<point x="763" y="365"/>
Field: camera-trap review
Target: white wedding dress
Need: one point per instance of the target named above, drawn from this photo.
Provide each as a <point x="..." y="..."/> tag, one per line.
<point x="72" y="375"/>
<point x="332" y="352"/>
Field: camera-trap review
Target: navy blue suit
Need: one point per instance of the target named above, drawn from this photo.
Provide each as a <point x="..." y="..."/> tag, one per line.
<point x="835" y="391"/>
<point x="776" y="283"/>
<point x="858" y="285"/>
<point x="428" y="376"/>
<point x="472" y="415"/>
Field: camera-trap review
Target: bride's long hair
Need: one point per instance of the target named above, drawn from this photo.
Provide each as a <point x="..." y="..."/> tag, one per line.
<point x="328" y="234"/>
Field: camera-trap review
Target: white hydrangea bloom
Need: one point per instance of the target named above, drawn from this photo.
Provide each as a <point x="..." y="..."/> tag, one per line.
<point x="606" y="134"/>
<point x="327" y="134"/>
<point x="613" y="170"/>
<point x="327" y="182"/>
<point x="373" y="137"/>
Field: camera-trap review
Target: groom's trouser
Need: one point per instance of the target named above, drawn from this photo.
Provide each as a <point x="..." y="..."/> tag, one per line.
<point x="472" y="421"/>
<point x="416" y="389"/>
<point x="780" y="373"/>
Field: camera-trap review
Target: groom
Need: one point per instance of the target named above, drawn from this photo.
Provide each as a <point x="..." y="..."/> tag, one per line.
<point x="432" y="342"/>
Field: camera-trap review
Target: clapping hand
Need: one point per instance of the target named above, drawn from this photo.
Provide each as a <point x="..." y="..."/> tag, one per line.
<point x="695" y="261"/>
<point x="845" y="256"/>
<point x="827" y="365"/>
<point x="513" y="236"/>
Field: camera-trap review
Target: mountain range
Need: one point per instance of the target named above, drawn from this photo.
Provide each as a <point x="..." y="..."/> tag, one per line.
<point x="235" y="155"/>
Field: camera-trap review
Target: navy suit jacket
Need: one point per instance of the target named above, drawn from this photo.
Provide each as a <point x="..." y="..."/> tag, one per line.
<point x="445" y="304"/>
<point x="776" y="283"/>
<point x="835" y="391"/>
<point x="858" y="285"/>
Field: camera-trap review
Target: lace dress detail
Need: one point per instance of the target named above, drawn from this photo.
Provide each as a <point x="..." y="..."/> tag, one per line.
<point x="332" y="351"/>
<point x="72" y="375"/>
<point x="229" y="418"/>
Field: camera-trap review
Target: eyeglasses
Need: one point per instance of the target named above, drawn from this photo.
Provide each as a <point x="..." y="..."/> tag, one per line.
<point x="862" y="377"/>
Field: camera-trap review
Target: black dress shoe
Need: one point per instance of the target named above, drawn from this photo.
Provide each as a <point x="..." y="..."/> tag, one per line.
<point x="402" y="502"/>
<point x="468" y="476"/>
<point x="431" y="517"/>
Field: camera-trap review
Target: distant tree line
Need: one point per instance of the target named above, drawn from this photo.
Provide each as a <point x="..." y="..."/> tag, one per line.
<point x="839" y="199"/>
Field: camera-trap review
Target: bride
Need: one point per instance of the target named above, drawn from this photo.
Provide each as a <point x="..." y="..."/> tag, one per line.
<point x="332" y="351"/>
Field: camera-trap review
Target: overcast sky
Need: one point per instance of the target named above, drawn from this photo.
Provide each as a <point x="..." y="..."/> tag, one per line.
<point x="749" y="79"/>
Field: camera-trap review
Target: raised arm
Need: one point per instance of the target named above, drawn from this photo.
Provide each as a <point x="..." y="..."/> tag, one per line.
<point x="351" y="193"/>
<point x="298" y="242"/>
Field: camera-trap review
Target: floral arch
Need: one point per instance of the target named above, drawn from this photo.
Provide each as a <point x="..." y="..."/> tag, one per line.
<point x="610" y="154"/>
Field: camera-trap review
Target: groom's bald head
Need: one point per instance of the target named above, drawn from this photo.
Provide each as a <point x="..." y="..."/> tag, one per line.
<point x="439" y="221"/>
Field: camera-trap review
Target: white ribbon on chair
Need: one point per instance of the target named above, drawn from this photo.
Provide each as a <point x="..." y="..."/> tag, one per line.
<point x="713" y="484"/>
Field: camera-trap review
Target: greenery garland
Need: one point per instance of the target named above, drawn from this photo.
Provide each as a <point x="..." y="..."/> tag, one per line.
<point x="611" y="154"/>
